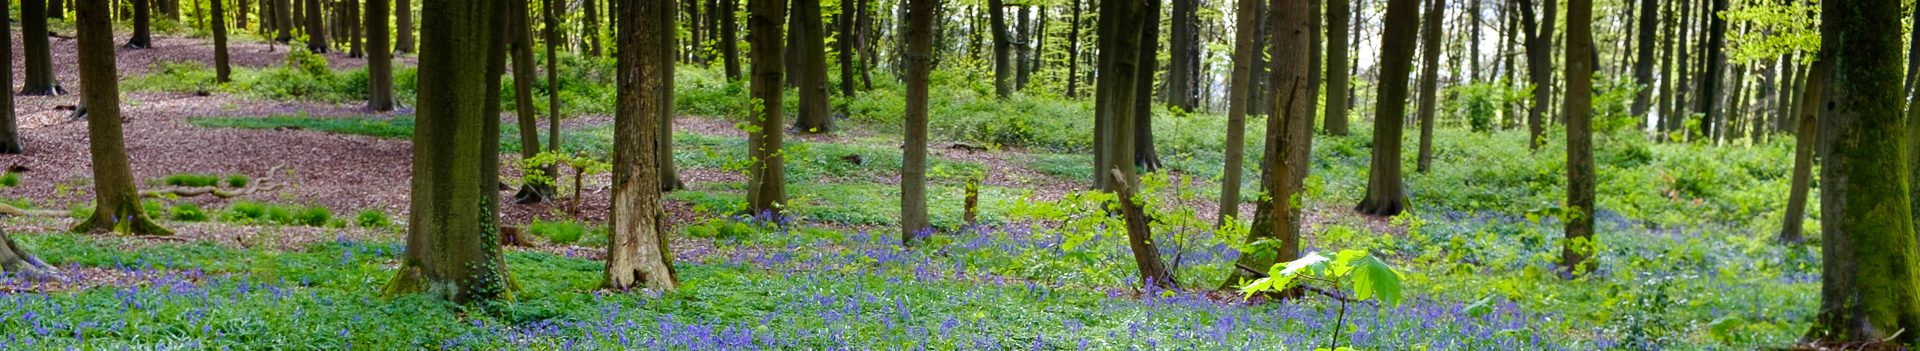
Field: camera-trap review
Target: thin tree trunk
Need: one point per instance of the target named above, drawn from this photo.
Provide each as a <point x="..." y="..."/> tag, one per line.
<point x="766" y="189"/>
<point x="730" y="46"/>
<point x="1429" y="79"/>
<point x="1237" y="99"/>
<point x="283" y="21"/>
<point x="453" y="250"/>
<point x="116" y="201"/>
<point x="1145" y="156"/>
<point x="1804" y="142"/>
<point x="809" y="34"/>
<point x="1002" y="68"/>
<point x="316" y="27"/>
<point x="1539" y="68"/>
<point x="844" y="44"/>
<point x="1022" y="22"/>
<point x="10" y="142"/>
<point x="351" y="18"/>
<point x="1579" y="109"/>
<point x="142" y="29"/>
<point x="1666" y="100"/>
<point x="379" y="57"/>
<point x="221" y="71"/>
<point x="913" y="171"/>
<point x="1073" y="52"/>
<point x="520" y="50"/>
<point x="403" y="26"/>
<point x="1643" y="65"/>
<point x="1711" y="72"/>
<point x="1337" y="75"/>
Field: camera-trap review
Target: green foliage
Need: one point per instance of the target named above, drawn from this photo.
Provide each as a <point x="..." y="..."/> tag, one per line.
<point x="562" y="232"/>
<point x="398" y="127"/>
<point x="187" y="212"/>
<point x="194" y="180"/>
<point x="371" y="218"/>
<point x="9" y="179"/>
<point x="237" y="181"/>
<point x="264" y="213"/>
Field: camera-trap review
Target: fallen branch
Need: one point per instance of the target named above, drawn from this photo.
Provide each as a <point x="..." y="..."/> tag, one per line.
<point x="260" y="185"/>
<point x="9" y="210"/>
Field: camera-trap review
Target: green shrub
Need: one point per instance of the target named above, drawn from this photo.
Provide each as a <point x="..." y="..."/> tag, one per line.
<point x="313" y="216"/>
<point x="237" y="181"/>
<point x="371" y="218"/>
<point x="10" y="179"/>
<point x="255" y="212"/>
<point x="187" y="212"/>
<point x="247" y="210"/>
<point x="80" y="212"/>
<point x="192" y="180"/>
<point x="558" y="232"/>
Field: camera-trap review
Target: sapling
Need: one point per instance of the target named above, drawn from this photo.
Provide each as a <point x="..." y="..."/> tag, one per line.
<point x="1366" y="277"/>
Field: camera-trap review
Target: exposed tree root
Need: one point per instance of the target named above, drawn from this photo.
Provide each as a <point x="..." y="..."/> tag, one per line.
<point x="9" y="210"/>
<point x="16" y="262"/>
<point x="260" y="185"/>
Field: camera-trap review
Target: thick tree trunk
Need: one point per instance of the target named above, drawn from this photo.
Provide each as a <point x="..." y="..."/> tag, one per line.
<point x="316" y="28"/>
<point x="54" y="9"/>
<point x="729" y="46"/>
<point x="1120" y="68"/>
<point x="913" y="171"/>
<point x="142" y="28"/>
<point x="1021" y="38"/>
<point x="15" y="261"/>
<point x="1145" y="154"/>
<point x="116" y="201"/>
<point x="766" y="185"/>
<point x="1385" y="194"/>
<point x="1337" y="78"/>
<point x="1579" y="109"/>
<point x="221" y="70"/>
<point x="352" y="20"/>
<point x="283" y="21"/>
<point x="1539" y="68"/>
<point x="1711" y="72"/>
<point x="39" y="56"/>
<point x="1184" y="55"/>
<point x="813" y="116"/>
<point x="637" y="254"/>
<point x="10" y="142"/>
<point x="1237" y="98"/>
<point x="1867" y="289"/>
<point x="1289" y="141"/>
<point x="1429" y="80"/>
<point x="453" y="250"/>
<point x="379" y="58"/>
<point x="663" y="124"/>
<point x="1002" y="67"/>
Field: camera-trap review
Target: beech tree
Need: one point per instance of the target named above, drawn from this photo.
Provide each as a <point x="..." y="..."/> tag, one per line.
<point x="1289" y="146"/>
<point x="379" y="58"/>
<point x="1002" y="46"/>
<point x="1868" y="286"/>
<point x="637" y="253"/>
<point x="1643" y="57"/>
<point x="116" y="202"/>
<point x="729" y="46"/>
<point x="766" y="182"/>
<point x="1385" y="191"/>
<point x="1539" y="34"/>
<point x="811" y="79"/>
<point x="1237" y="100"/>
<point x="1579" y="109"/>
<point x="283" y="20"/>
<point x="316" y="27"/>
<point x="220" y="68"/>
<point x="403" y="26"/>
<point x="1337" y="77"/>
<point x="1804" y="145"/>
<point x="15" y="261"/>
<point x="10" y="142"/>
<point x="1429" y="79"/>
<point x="142" y="30"/>
<point x="913" y="166"/>
<point x="1712" y="124"/>
<point x="520" y="48"/>
<point x="39" y="56"/>
<point x="453" y="239"/>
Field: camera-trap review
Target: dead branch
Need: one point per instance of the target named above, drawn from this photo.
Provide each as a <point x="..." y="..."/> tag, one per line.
<point x="262" y="184"/>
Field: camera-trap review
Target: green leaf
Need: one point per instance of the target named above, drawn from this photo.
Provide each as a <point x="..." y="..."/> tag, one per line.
<point x="1294" y="267"/>
<point x="1480" y="308"/>
<point x="1374" y="278"/>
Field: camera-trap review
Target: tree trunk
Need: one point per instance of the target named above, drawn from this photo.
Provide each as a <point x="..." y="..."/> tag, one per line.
<point x="1804" y="142"/>
<point x="221" y="71"/>
<point x="142" y="29"/>
<point x="1237" y="99"/>
<point x="1867" y="285"/>
<point x="1289" y="141"/>
<point x="1539" y="68"/>
<point x="729" y="46"/>
<point x="520" y="48"/>
<point x="1115" y="104"/>
<point x="1429" y="79"/>
<point x="1145" y="156"/>
<point x="1337" y="78"/>
<point x="453" y="250"/>
<point x="54" y="10"/>
<point x="116" y="201"/>
<point x="403" y="26"/>
<point x="663" y="125"/>
<point x="913" y="171"/>
<point x="316" y="27"/>
<point x="1002" y="68"/>
<point x="1385" y="194"/>
<point x="1184" y="55"/>
<point x="1711" y="72"/>
<point x="1021" y="38"/>
<point x="810" y="35"/>
<point x="766" y="186"/>
<point x="863" y="42"/>
<point x="379" y="58"/>
<point x="351" y="18"/>
<point x="1643" y="64"/>
<point x="40" y="80"/>
<point x="240" y="15"/>
<point x="1040" y="44"/>
<point x="1683" y="72"/>
<point x="845" y="45"/>
<point x="1579" y="109"/>
<point x="15" y="261"/>
<point x="1073" y="52"/>
<point x="1154" y="275"/>
<point x="283" y="21"/>
<point x="10" y="142"/>
<point x="695" y="48"/>
<point x="1666" y="101"/>
<point x="637" y="254"/>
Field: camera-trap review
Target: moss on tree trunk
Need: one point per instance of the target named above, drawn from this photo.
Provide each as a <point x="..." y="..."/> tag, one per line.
<point x="637" y="254"/>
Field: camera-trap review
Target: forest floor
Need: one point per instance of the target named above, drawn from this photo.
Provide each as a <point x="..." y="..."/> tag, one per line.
<point x="833" y="278"/>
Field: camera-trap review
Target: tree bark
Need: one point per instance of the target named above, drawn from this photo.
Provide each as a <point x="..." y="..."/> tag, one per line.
<point x="453" y="250"/>
<point x="1804" y="143"/>
<point x="844" y="45"/>
<point x="663" y="126"/>
<point x="116" y="201"/>
<point x="1289" y="141"/>
<point x="1021" y="38"/>
<point x="813" y="116"/>
<point x="766" y="186"/>
<point x="729" y="46"/>
<point x="1429" y="79"/>
<point x="40" y="80"/>
<point x="1337" y="78"/>
<point x="1666" y="100"/>
<point x="54" y="9"/>
<point x="520" y="48"/>
<point x="15" y="261"/>
<point x="1184" y="55"/>
<point x="1643" y="63"/>
<point x="379" y="58"/>
<point x="1385" y="195"/>
<point x="142" y="29"/>
<point x="403" y="26"/>
<point x="1579" y="109"/>
<point x="10" y="142"/>
<point x="1712" y="71"/>
<point x="1539" y="68"/>
<point x="316" y="27"/>
<point x="1867" y="289"/>
<point x="1073" y="52"/>
<point x="352" y="21"/>
<point x="1237" y="99"/>
<point x="1154" y="275"/>
<point x="913" y="171"/>
<point x="1002" y="68"/>
<point x="637" y="254"/>
<point x="1145" y="156"/>
<point x="221" y="71"/>
<point x="283" y="21"/>
<point x="695" y="44"/>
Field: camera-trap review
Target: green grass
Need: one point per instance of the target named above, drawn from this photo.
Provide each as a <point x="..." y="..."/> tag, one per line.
<point x="563" y="232"/>
<point x="265" y="213"/>
<point x="191" y="180"/>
